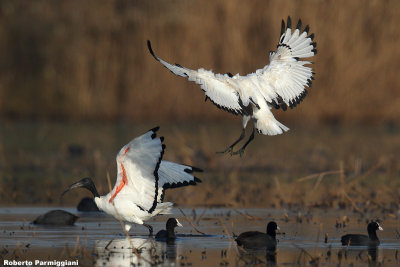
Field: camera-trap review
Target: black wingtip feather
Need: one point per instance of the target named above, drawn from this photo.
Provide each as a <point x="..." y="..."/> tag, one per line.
<point x="282" y="27"/>
<point x="298" y="27"/>
<point x="311" y="36"/>
<point x="307" y="28"/>
<point x="289" y="22"/>
<point x="314" y="44"/>
<point x="197" y="180"/>
<point x="193" y="169"/>
<point x="155" y="129"/>
<point x="151" y="50"/>
<point x="314" y="51"/>
<point x="162" y="139"/>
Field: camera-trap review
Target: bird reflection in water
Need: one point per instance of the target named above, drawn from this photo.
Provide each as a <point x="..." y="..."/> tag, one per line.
<point x="135" y="251"/>
<point x="267" y="256"/>
<point x="372" y="255"/>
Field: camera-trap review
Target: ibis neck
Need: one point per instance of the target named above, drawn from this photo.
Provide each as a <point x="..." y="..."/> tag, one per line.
<point x="92" y="188"/>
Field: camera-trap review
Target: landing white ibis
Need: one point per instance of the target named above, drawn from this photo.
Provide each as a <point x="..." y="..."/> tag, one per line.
<point x="141" y="181"/>
<point x="277" y="85"/>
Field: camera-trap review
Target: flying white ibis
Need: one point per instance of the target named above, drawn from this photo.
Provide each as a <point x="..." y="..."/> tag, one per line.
<point x="141" y="181"/>
<point x="277" y="85"/>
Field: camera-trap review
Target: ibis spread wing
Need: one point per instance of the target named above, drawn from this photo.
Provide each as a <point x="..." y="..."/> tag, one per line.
<point x="138" y="163"/>
<point x="287" y="76"/>
<point x="172" y="175"/>
<point x="219" y="88"/>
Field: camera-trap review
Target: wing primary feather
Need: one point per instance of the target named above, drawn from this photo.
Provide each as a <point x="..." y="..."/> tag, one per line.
<point x="314" y="51"/>
<point x="311" y="36"/>
<point x="162" y="195"/>
<point x="299" y="25"/>
<point x="307" y="28"/>
<point x="193" y="169"/>
<point x="282" y="28"/>
<point x="229" y="74"/>
<point x="155" y="129"/>
<point x="289" y="22"/>
<point x="151" y="50"/>
<point x="274" y="104"/>
<point x="197" y="180"/>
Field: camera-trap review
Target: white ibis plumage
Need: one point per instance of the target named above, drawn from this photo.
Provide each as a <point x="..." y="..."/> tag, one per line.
<point x="280" y="84"/>
<point x="141" y="181"/>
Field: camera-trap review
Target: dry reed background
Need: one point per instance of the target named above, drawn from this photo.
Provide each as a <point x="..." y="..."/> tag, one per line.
<point x="79" y="60"/>
<point x="85" y="60"/>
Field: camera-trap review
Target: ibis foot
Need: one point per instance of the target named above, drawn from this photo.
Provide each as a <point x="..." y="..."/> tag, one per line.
<point x="241" y="150"/>
<point x="230" y="148"/>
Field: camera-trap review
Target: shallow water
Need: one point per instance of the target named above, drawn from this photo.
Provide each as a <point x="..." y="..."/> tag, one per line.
<point x="99" y="239"/>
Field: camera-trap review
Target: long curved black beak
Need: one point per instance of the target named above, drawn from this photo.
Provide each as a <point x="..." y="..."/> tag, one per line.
<point x="84" y="183"/>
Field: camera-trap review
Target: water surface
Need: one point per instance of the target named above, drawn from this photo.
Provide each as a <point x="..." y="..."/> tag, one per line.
<point x="99" y="239"/>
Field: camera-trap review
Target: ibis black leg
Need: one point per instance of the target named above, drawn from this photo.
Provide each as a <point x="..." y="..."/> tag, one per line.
<point x="230" y="148"/>
<point x="241" y="150"/>
<point x="150" y="228"/>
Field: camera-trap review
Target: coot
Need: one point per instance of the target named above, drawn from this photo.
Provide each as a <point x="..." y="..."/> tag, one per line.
<point x="56" y="217"/>
<point x="255" y="239"/>
<point x="169" y="234"/>
<point x="363" y="240"/>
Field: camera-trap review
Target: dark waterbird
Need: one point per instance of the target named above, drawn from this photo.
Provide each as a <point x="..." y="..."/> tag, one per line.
<point x="363" y="240"/>
<point x="56" y="217"/>
<point x="258" y="240"/>
<point x="169" y="233"/>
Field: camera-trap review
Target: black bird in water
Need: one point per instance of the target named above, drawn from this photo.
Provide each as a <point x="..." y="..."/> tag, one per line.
<point x="169" y="233"/>
<point x="258" y="240"/>
<point x="363" y="240"/>
<point x="56" y="217"/>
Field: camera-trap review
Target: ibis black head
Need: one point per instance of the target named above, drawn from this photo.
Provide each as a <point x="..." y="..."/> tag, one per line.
<point x="272" y="227"/>
<point x="84" y="183"/>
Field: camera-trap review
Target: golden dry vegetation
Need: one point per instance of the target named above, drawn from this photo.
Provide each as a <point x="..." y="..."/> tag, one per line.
<point x="79" y="60"/>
